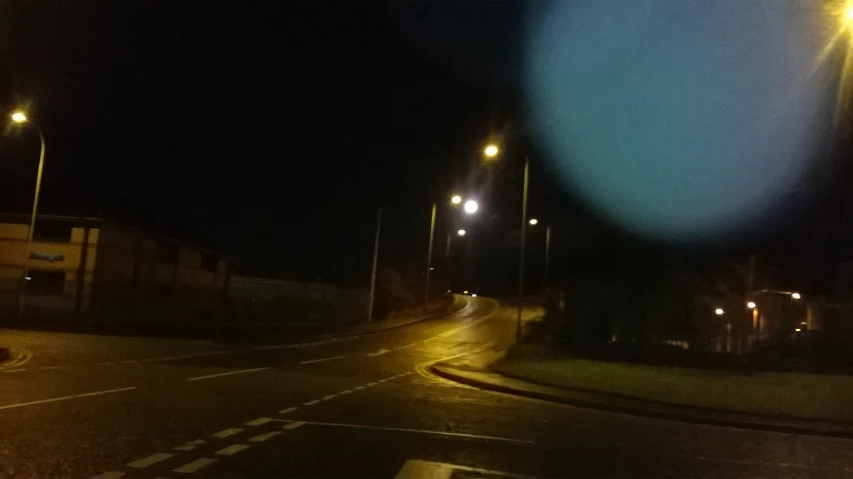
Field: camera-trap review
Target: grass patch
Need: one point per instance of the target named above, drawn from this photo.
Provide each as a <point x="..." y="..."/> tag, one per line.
<point x="794" y="395"/>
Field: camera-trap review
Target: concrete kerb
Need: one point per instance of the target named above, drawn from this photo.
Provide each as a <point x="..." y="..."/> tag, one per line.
<point x="491" y="381"/>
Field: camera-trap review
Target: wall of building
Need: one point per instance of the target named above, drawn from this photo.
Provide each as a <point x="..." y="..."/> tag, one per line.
<point x="81" y="246"/>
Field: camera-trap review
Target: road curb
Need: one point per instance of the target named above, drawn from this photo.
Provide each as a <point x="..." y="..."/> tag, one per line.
<point x="4" y="355"/>
<point x="491" y="381"/>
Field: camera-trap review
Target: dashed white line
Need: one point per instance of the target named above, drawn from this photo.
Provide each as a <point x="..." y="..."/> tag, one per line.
<point x="321" y="360"/>
<point x="408" y="345"/>
<point x="229" y="373"/>
<point x="130" y="361"/>
<point x="288" y="410"/>
<point x="259" y="421"/>
<point x="147" y="461"/>
<point x="109" y="475"/>
<point x="311" y="403"/>
<point x="103" y="364"/>
<point x="228" y="432"/>
<point x="293" y="424"/>
<point x="264" y="437"/>
<point x="358" y="388"/>
<point x="194" y="466"/>
<point x="232" y="449"/>
<point x="345" y="392"/>
<point x="53" y="367"/>
<point x="380" y="352"/>
<point x="189" y="446"/>
<point x="330" y="396"/>
<point x="419" y="431"/>
<point x="12" y="370"/>
<point x="63" y="398"/>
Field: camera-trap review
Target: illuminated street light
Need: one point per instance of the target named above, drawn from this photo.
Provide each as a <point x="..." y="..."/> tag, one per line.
<point x="796" y="295"/>
<point x="491" y="151"/>
<point x="849" y="14"/>
<point x="461" y="232"/>
<point x="750" y="305"/>
<point x="456" y="199"/>
<point x="471" y="207"/>
<point x="719" y="311"/>
<point x="19" y="117"/>
<point x="533" y="222"/>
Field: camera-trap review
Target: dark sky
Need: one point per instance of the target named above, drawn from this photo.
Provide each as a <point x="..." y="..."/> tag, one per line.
<point x="273" y="130"/>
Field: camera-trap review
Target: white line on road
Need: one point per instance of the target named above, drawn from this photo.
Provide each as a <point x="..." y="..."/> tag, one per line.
<point x="311" y="403"/>
<point x="63" y="398"/>
<point x="259" y="421"/>
<point x="264" y="437"/>
<point x="293" y="424"/>
<point x="12" y="370"/>
<point x="147" y="461"/>
<point x="321" y="360"/>
<point x="232" y="449"/>
<point x="290" y="409"/>
<point x="130" y="361"/>
<point x="420" y="431"/>
<point x="409" y="345"/>
<point x="330" y="396"/>
<point x="229" y="373"/>
<point x="194" y="466"/>
<point x="189" y="446"/>
<point x="460" y="328"/>
<point x="228" y="432"/>
<point x="109" y="475"/>
<point x="358" y="388"/>
<point x="345" y="392"/>
<point x="418" y="469"/>
<point x="380" y="352"/>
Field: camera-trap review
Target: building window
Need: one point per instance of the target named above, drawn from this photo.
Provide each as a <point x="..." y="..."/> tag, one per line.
<point x="209" y="262"/>
<point x="167" y="252"/>
<point x="46" y="282"/>
<point x="58" y="231"/>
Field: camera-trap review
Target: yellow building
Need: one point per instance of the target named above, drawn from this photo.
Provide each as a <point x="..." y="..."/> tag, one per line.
<point x="80" y="265"/>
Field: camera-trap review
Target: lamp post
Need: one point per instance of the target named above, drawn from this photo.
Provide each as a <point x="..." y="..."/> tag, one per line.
<point x="20" y="118"/>
<point x="372" y="300"/>
<point x="521" y="247"/>
<point x="470" y="207"/>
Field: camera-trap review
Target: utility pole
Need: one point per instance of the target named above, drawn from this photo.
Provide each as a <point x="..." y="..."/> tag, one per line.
<point x="521" y="248"/>
<point x="370" y="303"/>
<point x="750" y="289"/>
<point x="429" y="255"/>
<point x="547" y="255"/>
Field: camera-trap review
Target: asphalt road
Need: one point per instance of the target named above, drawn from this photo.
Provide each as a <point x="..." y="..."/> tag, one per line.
<point x="84" y="406"/>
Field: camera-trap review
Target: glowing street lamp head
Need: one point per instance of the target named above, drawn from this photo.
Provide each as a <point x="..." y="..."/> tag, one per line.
<point x="461" y="232"/>
<point x="750" y="305"/>
<point x="796" y="295"/>
<point x="533" y="222"/>
<point x="491" y="151"/>
<point x="19" y="117"/>
<point x="471" y="207"/>
<point x="849" y="14"/>
<point x="719" y="311"/>
<point x="456" y="199"/>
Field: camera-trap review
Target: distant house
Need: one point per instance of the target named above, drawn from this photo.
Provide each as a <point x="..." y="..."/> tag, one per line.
<point x="80" y="265"/>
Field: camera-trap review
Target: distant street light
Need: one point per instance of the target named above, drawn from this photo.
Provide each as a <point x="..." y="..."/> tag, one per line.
<point x="456" y="199"/>
<point x="797" y="295"/>
<point x="461" y="232"/>
<point x="491" y="151"/>
<point x="471" y="207"/>
<point x="533" y="222"/>
<point x="750" y="305"/>
<point x="719" y="311"/>
<point x="20" y="118"/>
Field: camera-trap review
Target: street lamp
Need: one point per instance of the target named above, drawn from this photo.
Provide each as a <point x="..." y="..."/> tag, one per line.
<point x="461" y="232"/>
<point x="491" y="151"/>
<point x="455" y="199"/>
<point x="533" y="222"/>
<point x="20" y="118"/>
<point x="719" y="311"/>
<point x="750" y="305"/>
<point x="797" y="295"/>
<point x="471" y="207"/>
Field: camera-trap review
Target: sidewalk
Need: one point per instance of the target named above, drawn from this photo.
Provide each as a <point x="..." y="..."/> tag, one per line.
<point x="475" y="371"/>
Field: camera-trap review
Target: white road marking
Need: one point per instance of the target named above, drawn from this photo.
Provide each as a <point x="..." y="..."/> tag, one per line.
<point x="409" y="345"/>
<point x="358" y="388"/>
<point x="370" y="384"/>
<point x="63" y="398"/>
<point x="293" y="424"/>
<point x="311" y="403"/>
<point x="109" y="475"/>
<point x="229" y="373"/>
<point x="152" y="459"/>
<point x="194" y="466"/>
<point x="264" y="437"/>
<point x="12" y="370"/>
<point x="228" y="432"/>
<point x="259" y="421"/>
<point x="232" y="449"/>
<point x="290" y="409"/>
<point x="460" y="328"/>
<point x="380" y="352"/>
<point x="330" y="396"/>
<point x="53" y="367"/>
<point x="321" y="360"/>
<point x="420" y="431"/>
<point x="345" y="392"/>
<point x="130" y="361"/>
<point x="189" y="446"/>
<point x="418" y="469"/>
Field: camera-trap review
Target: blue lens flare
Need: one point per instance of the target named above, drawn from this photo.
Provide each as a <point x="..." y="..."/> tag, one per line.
<point x="678" y="119"/>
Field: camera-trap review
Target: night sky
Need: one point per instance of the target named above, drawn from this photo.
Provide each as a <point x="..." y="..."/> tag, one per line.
<point x="274" y="130"/>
